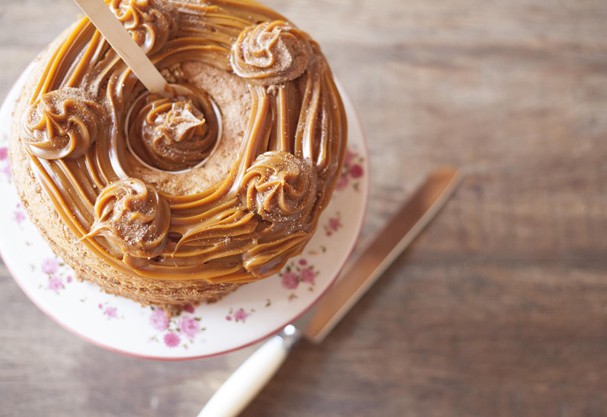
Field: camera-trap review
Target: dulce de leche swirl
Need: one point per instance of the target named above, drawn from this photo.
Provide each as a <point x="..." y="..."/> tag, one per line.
<point x="133" y="216"/>
<point x="171" y="133"/>
<point x="91" y="127"/>
<point x="151" y="27"/>
<point x="62" y="123"/>
<point x="271" y="53"/>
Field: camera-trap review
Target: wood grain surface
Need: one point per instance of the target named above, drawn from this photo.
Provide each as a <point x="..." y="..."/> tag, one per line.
<point x="500" y="307"/>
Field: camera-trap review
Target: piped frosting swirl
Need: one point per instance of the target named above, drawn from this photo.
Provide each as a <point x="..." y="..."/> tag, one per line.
<point x="271" y="53"/>
<point x="62" y="123"/>
<point x="173" y="133"/>
<point x="280" y="187"/>
<point x="133" y="216"/>
<point x="150" y="26"/>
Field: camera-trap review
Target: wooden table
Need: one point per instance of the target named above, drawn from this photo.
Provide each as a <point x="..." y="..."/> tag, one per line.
<point x="499" y="309"/>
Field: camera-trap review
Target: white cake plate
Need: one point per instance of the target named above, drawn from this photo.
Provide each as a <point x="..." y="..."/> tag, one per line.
<point x="244" y="317"/>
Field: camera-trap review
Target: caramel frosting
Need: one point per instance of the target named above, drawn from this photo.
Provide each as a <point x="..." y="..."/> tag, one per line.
<point x="62" y="123"/>
<point x="151" y="27"/>
<point x="133" y="216"/>
<point x="280" y="187"/>
<point x="103" y="148"/>
<point x="175" y="133"/>
<point x="271" y="53"/>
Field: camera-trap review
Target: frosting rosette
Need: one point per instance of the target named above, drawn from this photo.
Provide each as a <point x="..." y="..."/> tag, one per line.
<point x="173" y="133"/>
<point x="132" y="215"/>
<point x="62" y="123"/>
<point x="150" y="25"/>
<point x="271" y="53"/>
<point x="280" y="187"/>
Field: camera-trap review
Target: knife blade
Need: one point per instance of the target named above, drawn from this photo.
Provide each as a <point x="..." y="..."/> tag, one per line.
<point x="359" y="274"/>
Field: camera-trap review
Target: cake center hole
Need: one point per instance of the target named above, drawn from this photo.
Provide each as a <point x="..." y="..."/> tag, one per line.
<point x="173" y="133"/>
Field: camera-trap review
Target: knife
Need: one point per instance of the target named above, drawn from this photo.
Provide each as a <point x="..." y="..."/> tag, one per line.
<point x="376" y="255"/>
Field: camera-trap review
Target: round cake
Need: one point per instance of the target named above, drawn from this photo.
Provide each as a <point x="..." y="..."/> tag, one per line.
<point x="179" y="198"/>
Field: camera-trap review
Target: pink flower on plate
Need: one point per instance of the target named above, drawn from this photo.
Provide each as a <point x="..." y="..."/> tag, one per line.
<point x="171" y="340"/>
<point x="50" y="266"/>
<point x="6" y="170"/>
<point x="290" y="280"/>
<point x="333" y="226"/>
<point x="19" y="215"/>
<point x="348" y="157"/>
<point x="188" y="326"/>
<point x="55" y="284"/>
<point x="351" y="171"/>
<point x="308" y="275"/>
<point x="356" y="171"/>
<point x="159" y="320"/>
<point x="342" y="182"/>
<point x="111" y="312"/>
<point x="335" y="223"/>
<point x="299" y="272"/>
<point x="3" y="153"/>
<point x="241" y="315"/>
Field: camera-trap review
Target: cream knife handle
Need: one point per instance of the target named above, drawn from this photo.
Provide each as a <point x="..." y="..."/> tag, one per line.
<point x="246" y="382"/>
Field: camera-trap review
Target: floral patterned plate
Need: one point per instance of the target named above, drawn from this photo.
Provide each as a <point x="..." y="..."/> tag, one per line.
<point x="246" y="316"/>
